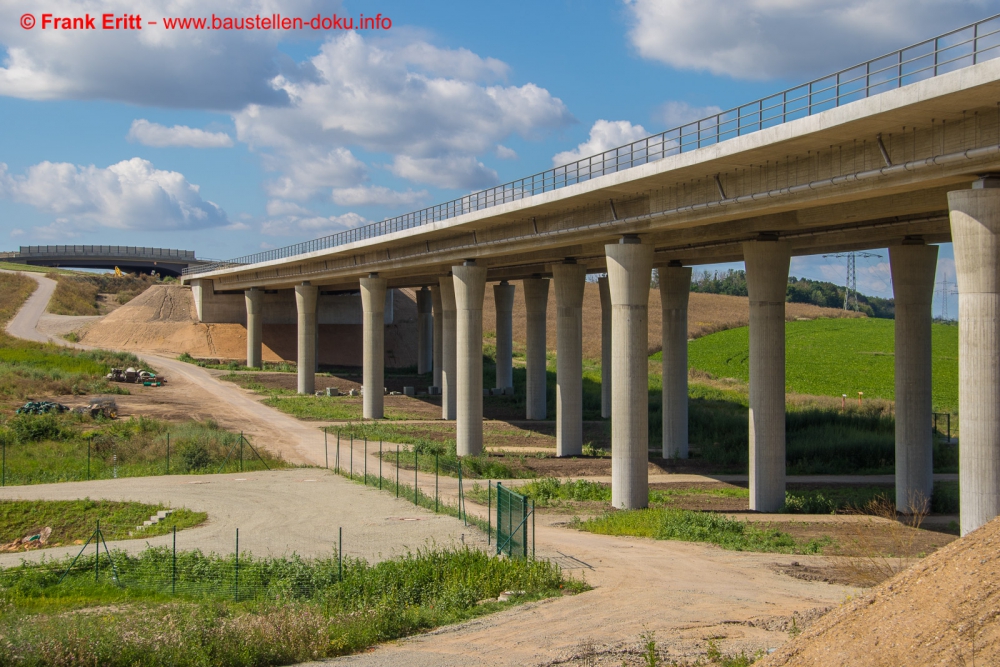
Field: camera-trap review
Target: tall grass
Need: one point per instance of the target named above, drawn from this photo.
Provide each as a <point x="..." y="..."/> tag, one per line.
<point x="294" y="610"/>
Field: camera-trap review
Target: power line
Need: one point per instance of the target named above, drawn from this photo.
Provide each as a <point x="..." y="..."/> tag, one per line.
<point x="851" y="284"/>
<point x="945" y="287"/>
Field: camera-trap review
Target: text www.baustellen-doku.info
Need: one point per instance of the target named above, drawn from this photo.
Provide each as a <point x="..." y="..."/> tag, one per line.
<point x="54" y="22"/>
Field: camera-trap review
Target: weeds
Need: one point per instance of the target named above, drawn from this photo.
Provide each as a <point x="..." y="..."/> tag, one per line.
<point x="870" y="563"/>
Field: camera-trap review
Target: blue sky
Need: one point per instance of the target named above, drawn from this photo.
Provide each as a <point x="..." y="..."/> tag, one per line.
<point x="231" y="142"/>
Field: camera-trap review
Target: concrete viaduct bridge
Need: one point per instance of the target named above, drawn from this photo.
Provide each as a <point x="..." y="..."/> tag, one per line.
<point x="902" y="151"/>
<point x="165" y="261"/>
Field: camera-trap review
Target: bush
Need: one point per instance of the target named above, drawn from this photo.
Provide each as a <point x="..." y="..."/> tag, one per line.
<point x="195" y="456"/>
<point x="35" y="428"/>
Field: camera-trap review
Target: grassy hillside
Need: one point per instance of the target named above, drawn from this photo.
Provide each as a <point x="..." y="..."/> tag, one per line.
<point x="834" y="357"/>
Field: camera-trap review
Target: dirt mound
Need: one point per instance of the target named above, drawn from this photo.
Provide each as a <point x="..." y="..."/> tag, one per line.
<point x="163" y="320"/>
<point x="942" y="611"/>
<point x="707" y="313"/>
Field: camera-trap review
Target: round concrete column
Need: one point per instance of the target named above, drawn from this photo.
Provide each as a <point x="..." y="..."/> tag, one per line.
<point x="975" y="233"/>
<point x="569" y="280"/>
<point x="305" y="305"/>
<point x="536" y="301"/>
<point x="449" y="379"/>
<point x="425" y="331"/>
<point x="438" y="318"/>
<point x="913" y="268"/>
<point x="470" y="288"/>
<point x="602" y="286"/>
<point x="255" y="326"/>
<point x="629" y="270"/>
<point x="373" y="359"/>
<point x="675" y="286"/>
<point x="767" y="280"/>
<point x="503" y="296"/>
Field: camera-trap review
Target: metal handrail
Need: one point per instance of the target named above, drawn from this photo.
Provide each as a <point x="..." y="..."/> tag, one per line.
<point x="103" y="251"/>
<point x="953" y="50"/>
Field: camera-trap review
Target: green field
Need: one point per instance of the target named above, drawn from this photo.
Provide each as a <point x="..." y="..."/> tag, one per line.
<point x="834" y="357"/>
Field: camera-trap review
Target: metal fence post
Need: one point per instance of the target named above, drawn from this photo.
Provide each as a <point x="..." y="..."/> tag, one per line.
<point x="397" y="471"/>
<point x="380" y="464"/>
<point x="532" y="529"/>
<point x="340" y="553"/>
<point x="489" y="510"/>
<point x="237" y="591"/>
<point x="416" y="468"/>
<point x="366" y="459"/>
<point x="241" y="451"/>
<point x="173" y="575"/>
<point x="352" y="453"/>
<point x="97" y="552"/>
<point x="338" y="451"/>
<point x="435" y="482"/>
<point x="326" y="449"/>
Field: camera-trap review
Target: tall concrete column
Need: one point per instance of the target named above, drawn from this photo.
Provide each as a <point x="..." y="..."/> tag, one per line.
<point x="425" y="331"/>
<point x="536" y="300"/>
<point x="305" y="304"/>
<point x="675" y="286"/>
<point x="470" y="288"/>
<point x="913" y="268"/>
<point x="373" y="357"/>
<point x="438" y="317"/>
<point x="569" y="279"/>
<point x="975" y="233"/>
<point x="605" y="290"/>
<point x="503" y="296"/>
<point x="630" y="265"/>
<point x="255" y="326"/>
<point x="767" y="281"/>
<point x="449" y="379"/>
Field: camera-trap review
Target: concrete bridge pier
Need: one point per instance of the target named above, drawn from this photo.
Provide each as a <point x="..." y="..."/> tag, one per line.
<point x="438" y="321"/>
<point x="470" y="289"/>
<point x="630" y="265"/>
<point x="425" y="331"/>
<point x="503" y="296"/>
<point x="305" y="305"/>
<point x="913" y="268"/>
<point x="255" y="327"/>
<point x="767" y="281"/>
<point x="975" y="233"/>
<point x="569" y="279"/>
<point x="536" y="301"/>
<point x="449" y="379"/>
<point x="675" y="286"/>
<point x="605" y="291"/>
<point x="373" y="291"/>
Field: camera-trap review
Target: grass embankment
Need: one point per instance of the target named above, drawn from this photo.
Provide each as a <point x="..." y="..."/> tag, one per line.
<point x="50" y="448"/>
<point x="74" y="521"/>
<point x="835" y="357"/>
<point x="688" y="526"/>
<point x="12" y="266"/>
<point x="581" y="493"/>
<point x="77" y="294"/>
<point x="290" y="609"/>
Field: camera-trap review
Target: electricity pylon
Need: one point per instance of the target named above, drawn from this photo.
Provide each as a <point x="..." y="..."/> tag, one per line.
<point x="851" y="284"/>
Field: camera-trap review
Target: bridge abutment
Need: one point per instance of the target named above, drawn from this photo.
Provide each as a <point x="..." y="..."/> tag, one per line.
<point x="255" y="327"/>
<point x="448" y="349"/>
<point x="425" y="331"/>
<point x="373" y="290"/>
<point x="605" y="292"/>
<point x="470" y="289"/>
<point x="913" y="268"/>
<point x="569" y="279"/>
<point x="675" y="286"/>
<point x="503" y="297"/>
<point x="536" y="301"/>
<point x="767" y="281"/>
<point x="975" y="232"/>
<point x="630" y="267"/>
<point x="305" y="303"/>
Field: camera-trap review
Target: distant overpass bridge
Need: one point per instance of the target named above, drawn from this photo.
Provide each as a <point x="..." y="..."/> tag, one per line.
<point x="879" y="154"/>
<point x="164" y="261"/>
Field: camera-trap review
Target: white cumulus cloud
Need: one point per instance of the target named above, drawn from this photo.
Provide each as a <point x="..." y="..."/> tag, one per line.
<point x="675" y="114"/>
<point x="160" y="136"/>
<point x="604" y="135"/>
<point x="762" y="39"/>
<point x="377" y="195"/>
<point x="131" y="194"/>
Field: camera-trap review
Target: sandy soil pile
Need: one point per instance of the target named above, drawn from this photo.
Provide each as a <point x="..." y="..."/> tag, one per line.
<point x="942" y="611"/>
<point x="163" y="319"/>
<point x="707" y="313"/>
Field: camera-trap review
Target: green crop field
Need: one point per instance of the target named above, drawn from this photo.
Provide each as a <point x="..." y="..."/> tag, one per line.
<point x="834" y="357"/>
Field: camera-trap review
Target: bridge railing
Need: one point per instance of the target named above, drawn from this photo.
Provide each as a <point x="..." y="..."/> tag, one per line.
<point x="953" y="50"/>
<point x="133" y="252"/>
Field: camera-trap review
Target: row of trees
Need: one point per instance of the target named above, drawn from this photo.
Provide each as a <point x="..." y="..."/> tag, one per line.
<point x="800" y="290"/>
